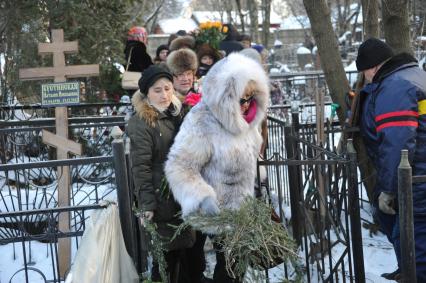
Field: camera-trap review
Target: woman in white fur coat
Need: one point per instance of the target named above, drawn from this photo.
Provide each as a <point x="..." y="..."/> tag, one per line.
<point x="212" y="163"/>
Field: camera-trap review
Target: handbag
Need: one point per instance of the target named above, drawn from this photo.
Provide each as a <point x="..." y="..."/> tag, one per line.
<point x="130" y="79"/>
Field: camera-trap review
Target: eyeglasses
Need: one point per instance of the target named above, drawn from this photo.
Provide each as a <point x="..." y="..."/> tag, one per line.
<point x="185" y="75"/>
<point x="246" y="100"/>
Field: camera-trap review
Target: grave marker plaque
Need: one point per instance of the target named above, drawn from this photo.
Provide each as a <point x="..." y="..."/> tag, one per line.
<point x="60" y="94"/>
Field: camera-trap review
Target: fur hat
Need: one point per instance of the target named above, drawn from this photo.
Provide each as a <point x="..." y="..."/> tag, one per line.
<point x="371" y="53"/>
<point x="186" y="41"/>
<point x="182" y="60"/>
<point x="206" y="49"/>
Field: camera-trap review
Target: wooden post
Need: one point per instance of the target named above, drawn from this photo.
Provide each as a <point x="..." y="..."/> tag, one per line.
<point x="59" y="73"/>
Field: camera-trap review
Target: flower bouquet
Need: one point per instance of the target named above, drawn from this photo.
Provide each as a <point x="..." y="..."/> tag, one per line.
<point x="192" y="98"/>
<point x="211" y="33"/>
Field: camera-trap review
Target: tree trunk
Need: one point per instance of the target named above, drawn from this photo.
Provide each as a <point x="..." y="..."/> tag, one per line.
<point x="331" y="62"/>
<point x="240" y="13"/>
<point x="266" y="7"/>
<point x="365" y="165"/>
<point x="370" y="16"/>
<point x="396" y="25"/>
<point x="340" y="18"/>
<point x="254" y="22"/>
<point x="228" y="9"/>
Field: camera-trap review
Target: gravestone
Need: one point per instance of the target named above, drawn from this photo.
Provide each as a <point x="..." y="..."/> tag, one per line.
<point x="60" y="72"/>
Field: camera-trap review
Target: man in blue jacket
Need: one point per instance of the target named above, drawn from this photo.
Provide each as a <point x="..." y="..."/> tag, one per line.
<point x="393" y="117"/>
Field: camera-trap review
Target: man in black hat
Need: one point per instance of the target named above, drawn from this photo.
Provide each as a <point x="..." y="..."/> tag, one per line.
<point x="392" y="118"/>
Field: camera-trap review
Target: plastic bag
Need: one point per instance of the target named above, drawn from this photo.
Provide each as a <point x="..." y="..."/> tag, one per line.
<point x="102" y="256"/>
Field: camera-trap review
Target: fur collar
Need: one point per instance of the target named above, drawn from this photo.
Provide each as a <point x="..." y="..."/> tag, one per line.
<point x="144" y="110"/>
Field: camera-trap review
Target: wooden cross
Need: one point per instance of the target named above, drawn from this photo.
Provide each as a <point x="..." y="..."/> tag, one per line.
<point x="60" y="72"/>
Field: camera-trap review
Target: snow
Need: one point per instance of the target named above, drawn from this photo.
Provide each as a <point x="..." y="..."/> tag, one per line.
<point x="119" y="67"/>
<point x="204" y="16"/>
<point x="40" y="254"/>
<point x="292" y="22"/>
<point x="2" y="61"/>
<point x="277" y="43"/>
<point x="170" y="26"/>
<point x="351" y="71"/>
<point x="344" y="36"/>
<point x="303" y="50"/>
<point x="422" y="62"/>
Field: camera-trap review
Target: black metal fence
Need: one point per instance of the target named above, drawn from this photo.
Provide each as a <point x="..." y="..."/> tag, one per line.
<point x="21" y="126"/>
<point x="302" y="88"/>
<point x="29" y="213"/>
<point x="315" y="190"/>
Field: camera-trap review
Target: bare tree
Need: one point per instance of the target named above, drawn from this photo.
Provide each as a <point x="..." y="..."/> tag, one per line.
<point x="254" y="21"/>
<point x="228" y="9"/>
<point x="370" y="16"/>
<point x="396" y="25"/>
<point x="319" y="15"/>
<point x="342" y="12"/>
<point x="240" y="13"/>
<point x="266" y="12"/>
<point x="298" y="11"/>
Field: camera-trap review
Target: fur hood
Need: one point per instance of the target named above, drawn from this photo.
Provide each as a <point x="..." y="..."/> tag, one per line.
<point x="214" y="154"/>
<point x="143" y="109"/>
<point x="224" y="85"/>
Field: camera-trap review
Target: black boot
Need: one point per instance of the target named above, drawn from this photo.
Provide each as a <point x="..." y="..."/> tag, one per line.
<point x="205" y="279"/>
<point x="396" y="275"/>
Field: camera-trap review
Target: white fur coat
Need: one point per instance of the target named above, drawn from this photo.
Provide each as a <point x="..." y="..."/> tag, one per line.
<point x="215" y="151"/>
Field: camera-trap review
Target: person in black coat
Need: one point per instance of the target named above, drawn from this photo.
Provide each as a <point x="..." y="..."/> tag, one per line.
<point x="137" y="39"/>
<point x="230" y="43"/>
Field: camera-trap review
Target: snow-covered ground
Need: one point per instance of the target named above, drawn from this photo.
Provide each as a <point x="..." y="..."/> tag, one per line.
<point x="378" y="258"/>
<point x="378" y="252"/>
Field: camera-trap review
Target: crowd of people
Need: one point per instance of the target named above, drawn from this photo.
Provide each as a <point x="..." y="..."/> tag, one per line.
<point x="199" y="126"/>
<point x="195" y="104"/>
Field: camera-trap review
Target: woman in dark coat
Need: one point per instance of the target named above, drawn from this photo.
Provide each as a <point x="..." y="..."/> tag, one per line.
<point x="137" y="39"/>
<point x="152" y="130"/>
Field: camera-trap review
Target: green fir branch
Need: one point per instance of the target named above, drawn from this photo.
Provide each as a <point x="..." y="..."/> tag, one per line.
<point x="250" y="240"/>
<point x="156" y="245"/>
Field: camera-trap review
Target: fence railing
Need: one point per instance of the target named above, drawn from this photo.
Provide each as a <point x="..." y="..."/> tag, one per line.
<point x="319" y="189"/>
<point x="29" y="212"/>
<point x="309" y="179"/>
